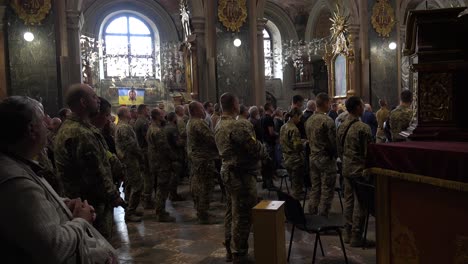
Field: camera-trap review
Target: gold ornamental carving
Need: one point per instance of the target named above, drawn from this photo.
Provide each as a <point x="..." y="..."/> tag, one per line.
<point x="383" y="18"/>
<point x="232" y="14"/>
<point x="32" y="12"/>
<point x="435" y="97"/>
<point x="339" y="56"/>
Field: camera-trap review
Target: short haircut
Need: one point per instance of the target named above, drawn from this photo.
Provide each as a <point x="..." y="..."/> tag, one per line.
<point x="294" y="112"/>
<point x="243" y="109"/>
<point x="406" y="96"/>
<point x="104" y="105"/>
<point x="382" y="103"/>
<point x="133" y="108"/>
<point x="227" y="102"/>
<point x="155" y="113"/>
<point x="74" y="95"/>
<point x="297" y="98"/>
<point x="62" y="113"/>
<point x="171" y="117"/>
<point x="334" y="105"/>
<point x="253" y="110"/>
<point x="121" y="112"/>
<point x="18" y="112"/>
<point x="322" y="99"/>
<point x="192" y="107"/>
<point x="268" y="106"/>
<point x="353" y="103"/>
<point x="206" y="105"/>
<point x="141" y="108"/>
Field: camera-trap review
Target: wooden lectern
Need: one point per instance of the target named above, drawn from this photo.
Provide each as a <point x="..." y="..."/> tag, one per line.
<point x="269" y="236"/>
<point x="437" y="46"/>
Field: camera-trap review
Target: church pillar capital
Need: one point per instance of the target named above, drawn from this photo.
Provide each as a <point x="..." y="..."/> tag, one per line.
<point x="75" y="20"/>
<point x="261" y="23"/>
<point x="198" y="25"/>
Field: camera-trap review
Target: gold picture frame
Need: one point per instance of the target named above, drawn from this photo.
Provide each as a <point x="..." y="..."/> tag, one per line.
<point x="232" y="14"/>
<point x="32" y="12"/>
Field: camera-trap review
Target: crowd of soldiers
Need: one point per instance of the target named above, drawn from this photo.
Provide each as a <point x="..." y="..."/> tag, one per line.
<point x="150" y="151"/>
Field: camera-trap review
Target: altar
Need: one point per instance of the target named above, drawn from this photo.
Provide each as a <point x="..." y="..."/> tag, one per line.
<point x="421" y="201"/>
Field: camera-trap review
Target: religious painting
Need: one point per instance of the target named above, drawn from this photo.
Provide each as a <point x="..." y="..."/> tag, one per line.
<point x="383" y="18"/>
<point x="232" y="14"/>
<point x="340" y="76"/>
<point x="131" y="96"/>
<point x="32" y="12"/>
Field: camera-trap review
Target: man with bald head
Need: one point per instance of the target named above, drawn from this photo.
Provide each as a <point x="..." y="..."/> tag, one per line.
<point x="130" y="154"/>
<point x="81" y="158"/>
<point x="240" y="154"/>
<point x="202" y="150"/>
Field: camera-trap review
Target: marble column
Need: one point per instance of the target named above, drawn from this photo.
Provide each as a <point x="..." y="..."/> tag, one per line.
<point x="355" y="69"/>
<point x="211" y="90"/>
<point x="75" y="22"/>
<point x="3" y="55"/>
<point x="201" y="93"/>
<point x="261" y="94"/>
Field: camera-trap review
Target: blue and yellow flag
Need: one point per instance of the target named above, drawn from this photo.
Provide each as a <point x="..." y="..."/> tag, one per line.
<point x="131" y="96"/>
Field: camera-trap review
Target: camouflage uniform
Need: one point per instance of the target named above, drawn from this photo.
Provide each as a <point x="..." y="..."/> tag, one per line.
<point x="48" y="172"/>
<point x="160" y="157"/>
<point x="321" y="133"/>
<point x="82" y="162"/>
<point x="382" y="116"/>
<point x="202" y="151"/>
<point x="353" y="154"/>
<point x="400" y="119"/>
<point x="141" y="128"/>
<point x="240" y="154"/>
<point x="130" y="155"/>
<point x="177" y="143"/>
<point x="293" y="156"/>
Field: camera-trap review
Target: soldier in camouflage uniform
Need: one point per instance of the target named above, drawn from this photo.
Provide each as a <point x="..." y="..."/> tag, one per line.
<point x="321" y="133"/>
<point x="141" y="128"/>
<point x="353" y="137"/>
<point x="82" y="158"/>
<point x="382" y="116"/>
<point x="129" y="154"/>
<point x="202" y="151"/>
<point x="293" y="152"/>
<point x="240" y="154"/>
<point x="160" y="157"/>
<point x="401" y="117"/>
<point x="177" y="143"/>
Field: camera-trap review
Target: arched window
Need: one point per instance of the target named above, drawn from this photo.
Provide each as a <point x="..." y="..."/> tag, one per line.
<point x="129" y="48"/>
<point x="269" y="54"/>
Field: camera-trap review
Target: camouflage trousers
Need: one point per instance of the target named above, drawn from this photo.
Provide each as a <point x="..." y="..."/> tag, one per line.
<point x="163" y="177"/>
<point x="203" y="176"/>
<point x="296" y="173"/>
<point x="133" y="184"/>
<point x="148" y="177"/>
<point x="178" y="169"/>
<point x="241" y="197"/>
<point x="354" y="212"/>
<point x="323" y="173"/>
<point x="104" y="219"/>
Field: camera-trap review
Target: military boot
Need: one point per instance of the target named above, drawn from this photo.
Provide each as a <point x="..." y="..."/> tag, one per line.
<point x="240" y="259"/>
<point x="164" y="217"/>
<point x="357" y="240"/>
<point x="346" y="235"/>
<point x="227" y="244"/>
<point x="147" y="201"/>
<point x="132" y="218"/>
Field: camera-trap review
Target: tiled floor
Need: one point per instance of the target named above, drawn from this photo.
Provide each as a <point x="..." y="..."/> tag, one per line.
<point x="185" y="241"/>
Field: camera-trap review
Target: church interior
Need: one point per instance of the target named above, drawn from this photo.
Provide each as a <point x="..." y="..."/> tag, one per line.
<point x="165" y="54"/>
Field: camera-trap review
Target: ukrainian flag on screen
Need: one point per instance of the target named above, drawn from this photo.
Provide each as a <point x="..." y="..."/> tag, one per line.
<point x="131" y="96"/>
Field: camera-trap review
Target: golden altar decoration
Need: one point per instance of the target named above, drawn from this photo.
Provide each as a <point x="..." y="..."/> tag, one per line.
<point x="383" y="18"/>
<point x="32" y="12"/>
<point x="232" y="14"/>
<point x="339" y="57"/>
